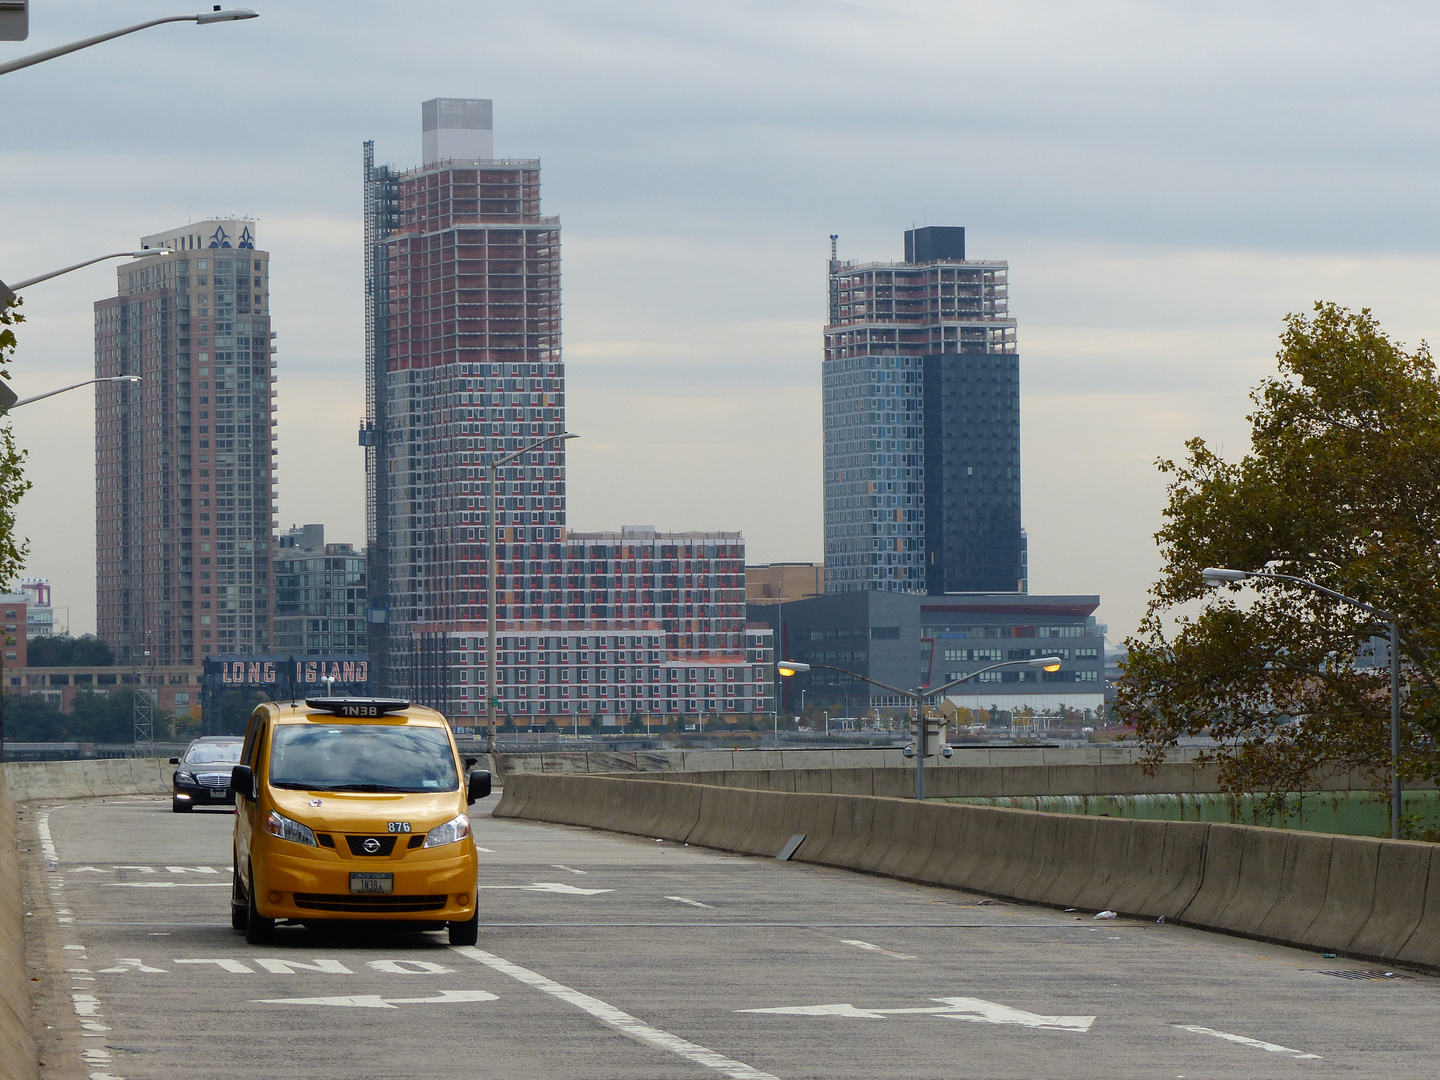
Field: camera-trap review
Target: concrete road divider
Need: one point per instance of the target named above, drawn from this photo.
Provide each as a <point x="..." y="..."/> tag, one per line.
<point x="29" y="780"/>
<point x="1373" y="899"/>
<point x="17" y="1045"/>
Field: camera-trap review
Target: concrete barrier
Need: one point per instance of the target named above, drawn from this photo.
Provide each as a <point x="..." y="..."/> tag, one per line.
<point x="30" y="780"/>
<point x="1373" y="899"/>
<point x="17" y="1045"/>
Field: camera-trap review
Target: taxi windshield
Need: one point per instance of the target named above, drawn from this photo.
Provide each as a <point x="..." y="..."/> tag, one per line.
<point x="362" y="757"/>
<point x="210" y="753"/>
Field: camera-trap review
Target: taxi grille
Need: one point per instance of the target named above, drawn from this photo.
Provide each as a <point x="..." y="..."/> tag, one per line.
<point x="357" y="845"/>
<point x="367" y="902"/>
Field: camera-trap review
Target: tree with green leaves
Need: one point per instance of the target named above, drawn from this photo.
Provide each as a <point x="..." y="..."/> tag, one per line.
<point x="1341" y="487"/>
<point x="13" y="484"/>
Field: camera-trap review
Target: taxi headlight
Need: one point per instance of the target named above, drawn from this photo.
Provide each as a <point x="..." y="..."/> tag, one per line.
<point x="277" y="824"/>
<point x="457" y="828"/>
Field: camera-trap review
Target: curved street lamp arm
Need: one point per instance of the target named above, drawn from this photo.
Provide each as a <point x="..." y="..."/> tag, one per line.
<point x="72" y="386"/>
<point x="533" y="446"/>
<point x="911" y="694"/>
<point x="18" y="285"/>
<point x="75" y="46"/>
<point x="966" y="678"/>
<point x="1381" y="613"/>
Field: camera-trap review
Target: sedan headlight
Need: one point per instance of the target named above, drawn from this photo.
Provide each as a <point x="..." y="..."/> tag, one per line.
<point x="457" y="828"/>
<point x="277" y="824"/>
<point x="185" y="777"/>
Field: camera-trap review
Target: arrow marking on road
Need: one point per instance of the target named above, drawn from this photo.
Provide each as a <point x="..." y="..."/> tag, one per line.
<point x="550" y="887"/>
<point x="875" y="948"/>
<point x="375" y="1001"/>
<point x="975" y="1010"/>
<point x="692" y="903"/>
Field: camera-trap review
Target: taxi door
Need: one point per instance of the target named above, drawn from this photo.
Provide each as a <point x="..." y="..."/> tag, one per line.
<point x="245" y="805"/>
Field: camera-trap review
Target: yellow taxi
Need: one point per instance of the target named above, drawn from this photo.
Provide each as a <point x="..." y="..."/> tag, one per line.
<point x="354" y="808"/>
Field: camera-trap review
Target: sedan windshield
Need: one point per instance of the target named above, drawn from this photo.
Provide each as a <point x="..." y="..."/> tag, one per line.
<point x="362" y="757"/>
<point x="211" y="753"/>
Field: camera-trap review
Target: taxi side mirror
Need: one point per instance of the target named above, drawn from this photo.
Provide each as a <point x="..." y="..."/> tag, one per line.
<point x="242" y="781"/>
<point x="479" y="786"/>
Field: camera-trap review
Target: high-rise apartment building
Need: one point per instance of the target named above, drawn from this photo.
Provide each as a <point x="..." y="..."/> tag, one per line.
<point x="921" y="396"/>
<point x="462" y="361"/>
<point x="319" y="595"/>
<point x="184" y="469"/>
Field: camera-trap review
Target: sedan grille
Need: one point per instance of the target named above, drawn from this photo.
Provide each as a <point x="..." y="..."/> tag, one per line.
<point x="213" y="780"/>
<point x="368" y="902"/>
<point x="371" y="845"/>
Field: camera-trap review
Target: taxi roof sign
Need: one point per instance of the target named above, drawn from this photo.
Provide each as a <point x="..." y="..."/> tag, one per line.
<point x="358" y="706"/>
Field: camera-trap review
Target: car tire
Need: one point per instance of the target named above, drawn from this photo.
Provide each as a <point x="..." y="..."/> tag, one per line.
<point x="178" y="807"/>
<point x="239" y="906"/>
<point x="258" y="929"/>
<point x="467" y="932"/>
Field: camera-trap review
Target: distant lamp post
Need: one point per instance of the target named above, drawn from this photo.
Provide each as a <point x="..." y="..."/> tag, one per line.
<point x="204" y="18"/>
<point x="789" y="668"/>
<point x="8" y="402"/>
<point x="491" y="532"/>
<point x="1219" y="575"/>
<point x="7" y="292"/>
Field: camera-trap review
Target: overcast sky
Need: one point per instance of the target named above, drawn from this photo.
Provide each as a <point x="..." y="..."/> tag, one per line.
<point x="1166" y="181"/>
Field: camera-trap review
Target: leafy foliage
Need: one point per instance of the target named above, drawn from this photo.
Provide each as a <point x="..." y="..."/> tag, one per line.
<point x="1341" y="487"/>
<point x="13" y="484"/>
<point x="61" y="650"/>
<point x="101" y="718"/>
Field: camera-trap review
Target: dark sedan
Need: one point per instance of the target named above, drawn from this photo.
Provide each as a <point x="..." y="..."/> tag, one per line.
<point x="203" y="776"/>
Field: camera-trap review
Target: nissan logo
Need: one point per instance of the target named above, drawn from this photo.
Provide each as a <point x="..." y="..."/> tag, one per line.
<point x="371" y="845"/>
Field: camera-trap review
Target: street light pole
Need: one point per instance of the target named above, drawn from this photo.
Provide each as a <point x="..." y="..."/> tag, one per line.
<point x="494" y="467"/>
<point x="1219" y="575"/>
<point x="218" y="15"/>
<point x="4" y="409"/>
<point x="787" y="668"/>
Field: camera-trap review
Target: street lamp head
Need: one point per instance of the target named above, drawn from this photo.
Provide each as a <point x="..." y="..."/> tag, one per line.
<point x="1046" y="663"/>
<point x="786" y="668"/>
<point x="147" y="252"/>
<point x="122" y="378"/>
<point x="1218" y="575"/>
<point x="219" y="14"/>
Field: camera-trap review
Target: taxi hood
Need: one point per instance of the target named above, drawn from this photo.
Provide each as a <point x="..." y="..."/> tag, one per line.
<point x="367" y="811"/>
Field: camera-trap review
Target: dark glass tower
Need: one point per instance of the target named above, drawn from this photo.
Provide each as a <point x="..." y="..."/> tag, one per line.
<point x="922" y="423"/>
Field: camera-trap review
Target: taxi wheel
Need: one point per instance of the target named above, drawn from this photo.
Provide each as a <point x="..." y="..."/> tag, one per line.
<point x="467" y="932"/>
<point x="239" y="906"/>
<point x="258" y="929"/>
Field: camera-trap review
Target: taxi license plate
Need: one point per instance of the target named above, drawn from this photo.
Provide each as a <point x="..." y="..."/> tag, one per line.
<point x="372" y="883"/>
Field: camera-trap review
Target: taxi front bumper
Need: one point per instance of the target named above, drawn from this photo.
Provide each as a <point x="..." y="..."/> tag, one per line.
<point x="293" y="881"/>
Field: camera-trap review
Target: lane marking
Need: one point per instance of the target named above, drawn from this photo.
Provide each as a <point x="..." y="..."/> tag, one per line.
<point x="621" y="1021"/>
<point x="375" y="1001"/>
<point x="1243" y="1040"/>
<point x="692" y="903"/>
<point x="550" y="887"/>
<point x="875" y="948"/>
<point x="47" y="842"/>
<point x="169" y="884"/>
<point x="558" y="866"/>
<point x="487" y="850"/>
<point x="973" y="1010"/>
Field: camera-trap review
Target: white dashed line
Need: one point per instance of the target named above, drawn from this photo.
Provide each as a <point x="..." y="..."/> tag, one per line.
<point x="622" y="1022"/>
<point x="1243" y="1040"/>
<point x="557" y="866"/>
<point x="875" y="948"/>
<point x="692" y="903"/>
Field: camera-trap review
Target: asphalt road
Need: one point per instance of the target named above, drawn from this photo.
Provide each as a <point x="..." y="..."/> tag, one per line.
<point x="612" y="956"/>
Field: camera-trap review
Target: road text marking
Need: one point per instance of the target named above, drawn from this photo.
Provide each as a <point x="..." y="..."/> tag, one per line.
<point x="692" y="903"/>
<point x="1243" y="1040"/>
<point x="622" y="1022"/>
